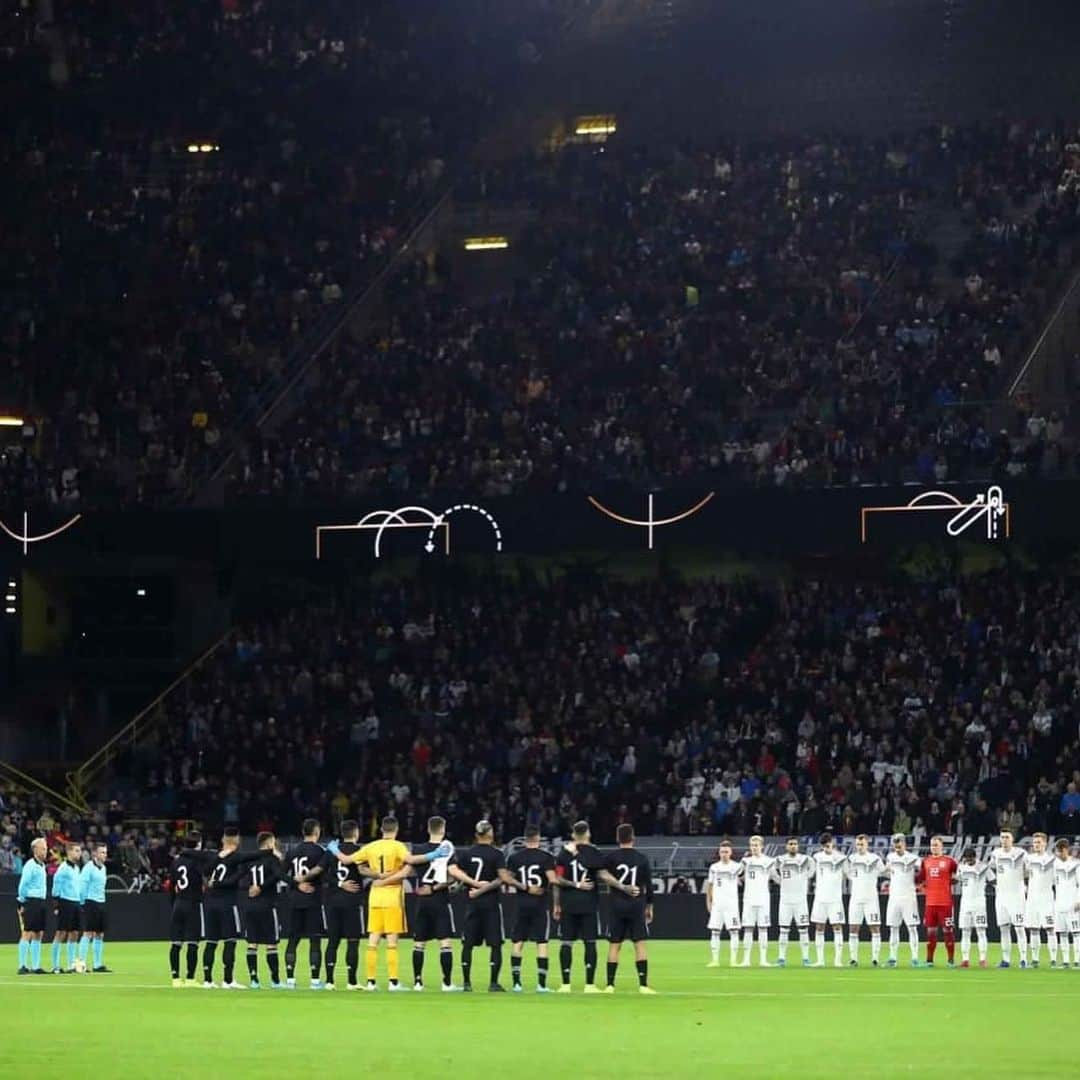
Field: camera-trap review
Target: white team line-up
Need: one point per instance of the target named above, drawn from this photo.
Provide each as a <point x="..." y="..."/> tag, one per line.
<point x="1037" y="892"/>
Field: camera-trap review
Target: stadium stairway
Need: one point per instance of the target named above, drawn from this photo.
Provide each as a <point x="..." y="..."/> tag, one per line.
<point x="281" y="397"/>
<point x="15" y="780"/>
<point x="136" y="732"/>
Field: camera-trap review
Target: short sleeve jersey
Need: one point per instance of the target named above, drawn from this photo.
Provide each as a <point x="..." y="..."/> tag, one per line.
<point x="384" y="857"/>
<point x="579" y="867"/>
<point x="630" y="867"/>
<point x="530" y="868"/>
<point x="938" y="872"/>
<point x="724" y="877"/>
<point x="482" y="862"/>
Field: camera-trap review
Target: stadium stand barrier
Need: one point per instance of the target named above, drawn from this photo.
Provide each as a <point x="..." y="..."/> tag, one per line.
<point x="80" y="780"/>
<point x="11" y="777"/>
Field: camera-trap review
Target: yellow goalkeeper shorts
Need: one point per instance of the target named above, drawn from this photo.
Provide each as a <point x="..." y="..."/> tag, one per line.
<point x="386" y="920"/>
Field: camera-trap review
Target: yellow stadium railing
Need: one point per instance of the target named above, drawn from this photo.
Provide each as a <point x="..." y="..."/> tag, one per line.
<point x="80" y="780"/>
<point x="25" y="784"/>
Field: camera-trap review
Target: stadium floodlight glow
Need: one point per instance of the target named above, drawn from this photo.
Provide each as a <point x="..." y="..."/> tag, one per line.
<point x="207" y="148"/>
<point x="10" y="598"/>
<point x="486" y="243"/>
<point x="11" y="421"/>
<point x="10" y="611"/>
<point x="193" y="148"/>
<point x="140" y="592"/>
<point x="595" y="126"/>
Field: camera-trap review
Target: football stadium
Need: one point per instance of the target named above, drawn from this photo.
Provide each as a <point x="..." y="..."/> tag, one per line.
<point x="553" y="518"/>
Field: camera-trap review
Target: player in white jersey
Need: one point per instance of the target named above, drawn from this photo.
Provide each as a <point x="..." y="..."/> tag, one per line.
<point x="863" y="869"/>
<point x="722" y="902"/>
<point x="902" y="867"/>
<point x="974" y="877"/>
<point x="1039" y="910"/>
<point x="1066" y="901"/>
<point x="757" y="868"/>
<point x="828" y="899"/>
<point x="1007" y="862"/>
<point x="793" y="870"/>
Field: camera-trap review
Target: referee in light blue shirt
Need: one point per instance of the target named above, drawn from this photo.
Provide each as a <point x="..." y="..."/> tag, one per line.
<point x="32" y="909"/>
<point x="92" y="885"/>
<point x="67" y="899"/>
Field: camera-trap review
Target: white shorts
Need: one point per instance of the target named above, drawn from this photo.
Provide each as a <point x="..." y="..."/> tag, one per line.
<point x="724" y="918"/>
<point x="1008" y="912"/>
<point x="972" y="918"/>
<point x="1038" y="917"/>
<point x="827" y="911"/>
<point x="864" y="911"/>
<point x="794" y="913"/>
<point x="902" y="911"/>
<point x="1067" y="921"/>
<point x="755" y="915"/>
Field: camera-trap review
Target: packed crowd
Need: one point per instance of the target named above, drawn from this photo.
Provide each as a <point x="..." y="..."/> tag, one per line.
<point x="187" y="213"/>
<point x="191" y="192"/>
<point x="139" y="852"/>
<point x="769" y="313"/>
<point x="692" y="707"/>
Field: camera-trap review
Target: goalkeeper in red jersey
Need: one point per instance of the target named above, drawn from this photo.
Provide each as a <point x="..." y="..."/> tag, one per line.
<point x="937" y="873"/>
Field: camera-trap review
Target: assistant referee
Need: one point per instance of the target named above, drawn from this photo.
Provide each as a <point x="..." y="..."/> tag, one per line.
<point x="30" y="898"/>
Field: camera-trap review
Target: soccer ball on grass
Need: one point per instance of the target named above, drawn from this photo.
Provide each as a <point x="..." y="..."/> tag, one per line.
<point x="80" y="967"/>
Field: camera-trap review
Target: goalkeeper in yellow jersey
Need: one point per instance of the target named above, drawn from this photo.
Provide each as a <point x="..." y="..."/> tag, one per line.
<point x="386" y="900"/>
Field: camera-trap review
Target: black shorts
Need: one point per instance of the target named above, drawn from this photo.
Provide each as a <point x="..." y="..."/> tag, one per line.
<point x="483" y="926"/>
<point x="627" y="923"/>
<point x="345" y="922"/>
<point x="307" y="922"/>
<point x="32" y="915"/>
<point x="93" y="917"/>
<point x="186" y="923"/>
<point x="532" y="923"/>
<point x="67" y="916"/>
<point x="222" y="922"/>
<point x="261" y="926"/>
<point x="583" y="926"/>
<point x="433" y="920"/>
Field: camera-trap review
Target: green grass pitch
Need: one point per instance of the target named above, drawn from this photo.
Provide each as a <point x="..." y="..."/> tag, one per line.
<point x="860" y="1022"/>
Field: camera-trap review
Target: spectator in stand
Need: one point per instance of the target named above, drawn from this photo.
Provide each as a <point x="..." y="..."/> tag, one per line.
<point x="885" y="682"/>
<point x="817" y="304"/>
<point x="179" y="249"/>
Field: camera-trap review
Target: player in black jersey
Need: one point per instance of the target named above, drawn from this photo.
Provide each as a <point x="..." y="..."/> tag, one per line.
<point x="186" y="921"/>
<point x="577" y="904"/>
<point x="258" y="887"/>
<point x="344" y="905"/>
<point x="629" y="874"/>
<point x="222" y="908"/>
<point x="532" y="870"/>
<point x="307" y="916"/>
<point x="433" y="918"/>
<point x="483" y="869"/>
